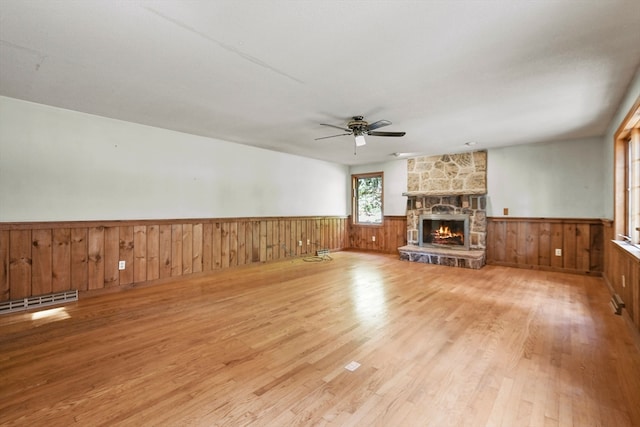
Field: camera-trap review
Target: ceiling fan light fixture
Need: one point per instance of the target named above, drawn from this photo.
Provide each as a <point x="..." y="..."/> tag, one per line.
<point x="360" y="140"/>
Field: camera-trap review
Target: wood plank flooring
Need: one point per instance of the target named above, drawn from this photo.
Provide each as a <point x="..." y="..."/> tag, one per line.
<point x="267" y="345"/>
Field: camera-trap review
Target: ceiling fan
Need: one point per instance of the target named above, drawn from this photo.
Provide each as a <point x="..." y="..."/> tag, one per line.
<point x="358" y="127"/>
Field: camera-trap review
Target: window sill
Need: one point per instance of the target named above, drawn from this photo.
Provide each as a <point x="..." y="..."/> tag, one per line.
<point x="632" y="250"/>
<point x="368" y="224"/>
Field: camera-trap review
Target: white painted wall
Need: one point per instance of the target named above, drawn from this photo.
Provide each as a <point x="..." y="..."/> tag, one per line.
<point x="556" y="180"/>
<point x="61" y="165"/>
<point x="630" y="98"/>
<point x="395" y="183"/>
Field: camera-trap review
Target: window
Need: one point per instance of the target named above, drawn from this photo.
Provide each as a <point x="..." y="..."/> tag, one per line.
<point x="367" y="198"/>
<point x="632" y="166"/>
<point x="627" y="178"/>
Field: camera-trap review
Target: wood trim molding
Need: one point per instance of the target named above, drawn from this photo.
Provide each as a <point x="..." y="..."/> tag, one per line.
<point x="39" y="225"/>
<point x="552" y="220"/>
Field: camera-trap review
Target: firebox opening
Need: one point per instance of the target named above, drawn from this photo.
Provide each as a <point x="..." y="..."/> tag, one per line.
<point x="450" y="231"/>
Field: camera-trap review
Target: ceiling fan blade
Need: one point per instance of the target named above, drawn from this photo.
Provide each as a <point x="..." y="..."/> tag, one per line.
<point x="379" y="124"/>
<point x="332" y="136"/>
<point x="337" y="127"/>
<point x="386" y="133"/>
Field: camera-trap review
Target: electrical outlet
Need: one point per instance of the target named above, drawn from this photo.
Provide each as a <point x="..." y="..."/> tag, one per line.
<point x="505" y="211"/>
<point x="122" y="265"/>
<point x="558" y="252"/>
<point x="299" y="242"/>
<point x="373" y="238"/>
<point x="308" y="241"/>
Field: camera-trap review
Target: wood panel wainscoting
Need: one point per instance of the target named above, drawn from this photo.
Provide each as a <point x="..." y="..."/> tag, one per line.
<point x="389" y="236"/>
<point x="532" y="243"/>
<point x="622" y="275"/>
<point x="46" y="257"/>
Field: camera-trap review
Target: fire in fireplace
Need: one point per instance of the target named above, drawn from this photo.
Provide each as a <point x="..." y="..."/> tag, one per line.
<point x="444" y="230"/>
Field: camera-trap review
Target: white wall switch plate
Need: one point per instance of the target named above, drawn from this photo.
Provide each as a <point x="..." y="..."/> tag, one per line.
<point x="122" y="265"/>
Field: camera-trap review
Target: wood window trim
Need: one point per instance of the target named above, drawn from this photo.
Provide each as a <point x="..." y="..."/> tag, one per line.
<point x="354" y="201"/>
<point x="629" y="128"/>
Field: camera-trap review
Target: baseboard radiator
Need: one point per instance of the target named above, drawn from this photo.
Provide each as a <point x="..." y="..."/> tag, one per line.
<point x="39" y="301"/>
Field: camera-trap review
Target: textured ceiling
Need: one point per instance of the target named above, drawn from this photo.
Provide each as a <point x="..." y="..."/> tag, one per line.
<point x="267" y="73"/>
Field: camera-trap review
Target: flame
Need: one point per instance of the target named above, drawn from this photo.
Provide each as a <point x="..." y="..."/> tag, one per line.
<point x="444" y="231"/>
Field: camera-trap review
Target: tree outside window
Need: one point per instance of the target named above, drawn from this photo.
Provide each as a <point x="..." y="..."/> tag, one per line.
<point x="367" y="198"/>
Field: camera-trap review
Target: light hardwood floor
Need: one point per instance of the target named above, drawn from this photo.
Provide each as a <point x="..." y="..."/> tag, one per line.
<point x="267" y="346"/>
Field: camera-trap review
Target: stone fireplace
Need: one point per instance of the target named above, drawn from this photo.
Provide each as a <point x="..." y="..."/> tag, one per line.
<point x="446" y="210"/>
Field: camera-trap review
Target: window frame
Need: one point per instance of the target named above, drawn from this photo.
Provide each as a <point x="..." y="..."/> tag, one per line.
<point x="355" y="201"/>
<point x="626" y="162"/>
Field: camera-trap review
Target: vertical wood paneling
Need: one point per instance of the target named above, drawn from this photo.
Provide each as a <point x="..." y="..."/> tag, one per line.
<point x="389" y="237"/>
<point x="583" y="241"/>
<point x="521" y="243"/>
<point x="139" y="253"/>
<point x="41" y="255"/>
<point x="557" y="242"/>
<point x="544" y="244"/>
<point x="569" y="246"/>
<point x="596" y="245"/>
<point x="197" y="248"/>
<point x="242" y="254"/>
<point x="537" y="239"/>
<point x="622" y="272"/>
<point x="153" y="252"/>
<point x="312" y="245"/>
<point x="224" y="245"/>
<point x="255" y="248"/>
<point x="501" y="249"/>
<point x="187" y="248"/>
<point x="4" y="265"/>
<point x="61" y="260"/>
<point x="532" y="249"/>
<point x="20" y="264"/>
<point x="207" y="246"/>
<point x="61" y="256"/>
<point x="217" y="245"/>
<point x="298" y="237"/>
<point x="79" y="261"/>
<point x="492" y="226"/>
<point x="95" y="258"/>
<point x="111" y="256"/>
<point x="263" y="241"/>
<point x="287" y="239"/>
<point x="126" y="255"/>
<point x="511" y="247"/>
<point x="165" y="251"/>
<point x="176" y="250"/>
<point x="248" y="242"/>
<point x="269" y="241"/>
<point x="279" y="241"/>
<point x="233" y="244"/>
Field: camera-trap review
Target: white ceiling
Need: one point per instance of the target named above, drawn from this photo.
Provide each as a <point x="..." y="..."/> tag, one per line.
<point x="267" y="73"/>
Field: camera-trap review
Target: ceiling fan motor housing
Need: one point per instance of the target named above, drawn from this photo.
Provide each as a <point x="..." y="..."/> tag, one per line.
<point x="358" y="125"/>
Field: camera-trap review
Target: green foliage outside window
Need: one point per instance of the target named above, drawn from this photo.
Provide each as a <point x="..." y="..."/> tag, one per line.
<point x="369" y="199"/>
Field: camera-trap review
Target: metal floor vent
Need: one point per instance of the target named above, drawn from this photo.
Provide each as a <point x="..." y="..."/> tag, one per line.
<point x="40" y="301"/>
